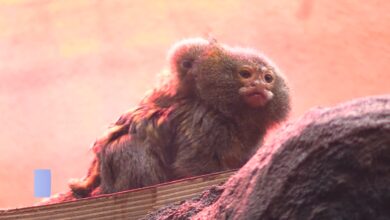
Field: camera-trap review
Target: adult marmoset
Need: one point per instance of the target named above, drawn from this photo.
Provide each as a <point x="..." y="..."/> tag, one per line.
<point x="210" y="116"/>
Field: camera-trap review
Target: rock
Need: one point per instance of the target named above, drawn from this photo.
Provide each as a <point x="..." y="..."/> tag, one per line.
<point x="333" y="163"/>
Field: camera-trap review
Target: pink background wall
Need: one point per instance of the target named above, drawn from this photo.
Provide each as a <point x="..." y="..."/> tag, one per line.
<point x="69" y="68"/>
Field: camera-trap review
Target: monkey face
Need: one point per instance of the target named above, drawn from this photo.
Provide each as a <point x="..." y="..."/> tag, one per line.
<point x="257" y="84"/>
<point x="234" y="77"/>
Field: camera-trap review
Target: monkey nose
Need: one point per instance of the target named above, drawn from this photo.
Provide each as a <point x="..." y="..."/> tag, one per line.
<point x="256" y="82"/>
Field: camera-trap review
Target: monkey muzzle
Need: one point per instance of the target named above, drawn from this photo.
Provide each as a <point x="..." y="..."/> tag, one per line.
<point x="256" y="96"/>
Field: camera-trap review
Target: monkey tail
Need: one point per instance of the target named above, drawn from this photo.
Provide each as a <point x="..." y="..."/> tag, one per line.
<point x="84" y="188"/>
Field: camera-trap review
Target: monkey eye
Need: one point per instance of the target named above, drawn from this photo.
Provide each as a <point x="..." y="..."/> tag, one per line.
<point x="245" y="74"/>
<point x="187" y="64"/>
<point x="268" y="78"/>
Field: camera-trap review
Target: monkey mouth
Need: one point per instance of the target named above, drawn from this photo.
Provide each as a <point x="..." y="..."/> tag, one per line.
<point x="256" y="97"/>
<point x="256" y="93"/>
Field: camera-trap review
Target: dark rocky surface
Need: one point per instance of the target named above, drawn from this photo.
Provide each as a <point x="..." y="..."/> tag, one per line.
<point x="332" y="163"/>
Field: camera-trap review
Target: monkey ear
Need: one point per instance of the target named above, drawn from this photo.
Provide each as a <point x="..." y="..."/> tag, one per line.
<point x="185" y="67"/>
<point x="183" y="54"/>
<point x="186" y="64"/>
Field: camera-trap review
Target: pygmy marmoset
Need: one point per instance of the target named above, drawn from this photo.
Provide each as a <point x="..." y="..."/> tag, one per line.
<point x="211" y="115"/>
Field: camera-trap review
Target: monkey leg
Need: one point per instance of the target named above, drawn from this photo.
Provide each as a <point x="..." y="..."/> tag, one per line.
<point x="127" y="164"/>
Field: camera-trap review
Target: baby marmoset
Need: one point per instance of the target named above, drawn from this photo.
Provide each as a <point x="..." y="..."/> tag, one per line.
<point x="209" y="117"/>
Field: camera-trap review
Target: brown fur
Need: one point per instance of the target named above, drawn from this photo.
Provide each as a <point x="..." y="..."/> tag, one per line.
<point x="202" y="120"/>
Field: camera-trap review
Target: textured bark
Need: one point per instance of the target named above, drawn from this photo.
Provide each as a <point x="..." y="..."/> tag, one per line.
<point x="333" y="163"/>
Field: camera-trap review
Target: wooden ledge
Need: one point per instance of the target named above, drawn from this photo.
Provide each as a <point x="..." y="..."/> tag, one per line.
<point x="132" y="204"/>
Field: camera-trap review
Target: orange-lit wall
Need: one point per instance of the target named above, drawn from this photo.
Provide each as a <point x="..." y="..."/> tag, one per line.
<point x="69" y="68"/>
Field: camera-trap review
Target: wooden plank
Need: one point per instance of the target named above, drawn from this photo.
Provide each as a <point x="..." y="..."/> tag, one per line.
<point x="130" y="204"/>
